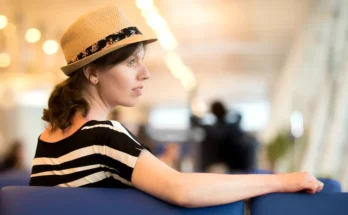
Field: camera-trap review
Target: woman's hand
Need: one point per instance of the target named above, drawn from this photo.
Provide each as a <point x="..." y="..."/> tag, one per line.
<point x="298" y="181"/>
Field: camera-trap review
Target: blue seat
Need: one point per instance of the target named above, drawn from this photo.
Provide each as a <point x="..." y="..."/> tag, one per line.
<point x="300" y="204"/>
<point x="57" y="201"/>
<point x="14" y="178"/>
<point x="331" y="185"/>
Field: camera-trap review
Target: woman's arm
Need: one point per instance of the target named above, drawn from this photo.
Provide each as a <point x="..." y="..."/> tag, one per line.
<point x="204" y="189"/>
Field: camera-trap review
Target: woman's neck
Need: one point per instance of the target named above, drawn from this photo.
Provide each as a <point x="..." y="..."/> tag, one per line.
<point x="94" y="114"/>
<point x="98" y="108"/>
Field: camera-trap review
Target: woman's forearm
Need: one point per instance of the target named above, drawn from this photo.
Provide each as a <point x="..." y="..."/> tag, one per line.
<point x="201" y="189"/>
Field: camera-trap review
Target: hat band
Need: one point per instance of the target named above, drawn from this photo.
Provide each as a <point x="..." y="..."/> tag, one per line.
<point x="105" y="42"/>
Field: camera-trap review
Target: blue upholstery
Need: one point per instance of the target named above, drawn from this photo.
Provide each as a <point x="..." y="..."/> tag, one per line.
<point x="331" y="185"/>
<point x="14" y="178"/>
<point x="300" y="204"/>
<point x="54" y="201"/>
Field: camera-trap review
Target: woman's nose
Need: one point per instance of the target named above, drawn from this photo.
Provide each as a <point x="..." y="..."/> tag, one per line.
<point x="144" y="73"/>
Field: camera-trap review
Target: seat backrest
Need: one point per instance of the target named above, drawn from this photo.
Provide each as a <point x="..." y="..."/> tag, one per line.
<point x="300" y="204"/>
<point x="54" y="201"/>
<point x="331" y="185"/>
<point x="14" y="178"/>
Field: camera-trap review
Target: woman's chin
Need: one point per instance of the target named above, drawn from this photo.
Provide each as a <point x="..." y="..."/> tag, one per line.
<point x="130" y="104"/>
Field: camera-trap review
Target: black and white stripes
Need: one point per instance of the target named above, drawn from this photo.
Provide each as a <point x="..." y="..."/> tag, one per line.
<point x="99" y="154"/>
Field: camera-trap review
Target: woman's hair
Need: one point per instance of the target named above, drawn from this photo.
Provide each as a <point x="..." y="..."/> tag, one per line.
<point x="66" y="98"/>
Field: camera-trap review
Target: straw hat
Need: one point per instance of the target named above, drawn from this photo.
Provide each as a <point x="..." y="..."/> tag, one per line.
<point x="96" y="34"/>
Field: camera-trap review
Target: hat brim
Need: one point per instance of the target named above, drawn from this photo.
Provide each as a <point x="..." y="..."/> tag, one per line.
<point x="71" y="68"/>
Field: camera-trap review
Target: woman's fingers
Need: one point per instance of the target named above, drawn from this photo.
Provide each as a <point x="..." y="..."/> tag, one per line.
<point x="314" y="187"/>
<point x="320" y="186"/>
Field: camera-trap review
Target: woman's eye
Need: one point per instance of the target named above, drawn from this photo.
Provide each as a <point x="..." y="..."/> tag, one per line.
<point x="131" y="63"/>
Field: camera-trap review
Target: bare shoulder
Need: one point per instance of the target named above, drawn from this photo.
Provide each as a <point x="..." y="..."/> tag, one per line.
<point x="45" y="136"/>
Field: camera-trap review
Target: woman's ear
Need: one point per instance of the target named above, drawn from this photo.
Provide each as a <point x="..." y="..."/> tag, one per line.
<point x="90" y="72"/>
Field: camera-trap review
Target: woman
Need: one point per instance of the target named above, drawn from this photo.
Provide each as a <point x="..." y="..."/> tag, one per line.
<point x="80" y="148"/>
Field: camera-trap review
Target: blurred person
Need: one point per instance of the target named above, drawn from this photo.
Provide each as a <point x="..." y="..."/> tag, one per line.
<point x="81" y="148"/>
<point x="144" y="137"/>
<point x="219" y="111"/>
<point x="14" y="158"/>
<point x="226" y="143"/>
<point x="171" y="155"/>
<point x="221" y="168"/>
<point x="2" y="143"/>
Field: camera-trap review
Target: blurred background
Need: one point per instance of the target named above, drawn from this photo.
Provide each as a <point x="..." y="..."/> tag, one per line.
<point x="237" y="85"/>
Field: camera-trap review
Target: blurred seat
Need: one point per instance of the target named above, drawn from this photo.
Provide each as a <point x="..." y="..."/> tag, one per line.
<point x="54" y="201"/>
<point x="14" y="178"/>
<point x="331" y="185"/>
<point x="300" y="204"/>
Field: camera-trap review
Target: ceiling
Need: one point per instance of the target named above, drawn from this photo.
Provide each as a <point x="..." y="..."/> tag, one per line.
<point x="236" y="48"/>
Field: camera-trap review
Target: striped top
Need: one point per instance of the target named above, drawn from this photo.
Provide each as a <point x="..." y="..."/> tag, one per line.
<point x="99" y="154"/>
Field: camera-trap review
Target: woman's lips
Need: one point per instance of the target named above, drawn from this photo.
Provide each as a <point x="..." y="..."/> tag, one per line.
<point x="138" y="91"/>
